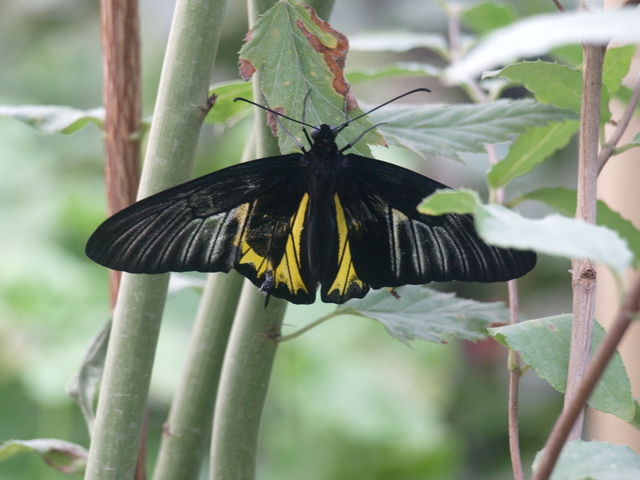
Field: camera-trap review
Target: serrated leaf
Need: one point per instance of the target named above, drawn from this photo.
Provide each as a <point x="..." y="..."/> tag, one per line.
<point x="535" y="36"/>
<point x="64" y="456"/>
<point x="447" y="130"/>
<point x="299" y="54"/>
<point x="553" y="235"/>
<point x="51" y="119"/>
<point x="564" y="201"/>
<point x="617" y="61"/>
<point x="486" y="16"/>
<point x="399" y="41"/>
<point x="425" y="314"/>
<point x="396" y="70"/>
<point x="581" y="460"/>
<point x="225" y="109"/>
<point x="450" y="201"/>
<point x="83" y="385"/>
<point x="552" y="83"/>
<point x="531" y="149"/>
<point x="544" y="345"/>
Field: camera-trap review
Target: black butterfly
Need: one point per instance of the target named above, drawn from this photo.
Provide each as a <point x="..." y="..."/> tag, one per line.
<point x="291" y="223"/>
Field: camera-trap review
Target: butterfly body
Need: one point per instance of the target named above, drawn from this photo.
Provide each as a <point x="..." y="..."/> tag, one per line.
<point x="296" y="222"/>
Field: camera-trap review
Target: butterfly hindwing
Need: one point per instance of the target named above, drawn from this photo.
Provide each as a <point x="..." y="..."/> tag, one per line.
<point x="339" y="278"/>
<point x="379" y="201"/>
<point x="247" y="216"/>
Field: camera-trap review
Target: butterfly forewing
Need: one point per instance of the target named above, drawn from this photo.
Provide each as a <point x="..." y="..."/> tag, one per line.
<point x="247" y="217"/>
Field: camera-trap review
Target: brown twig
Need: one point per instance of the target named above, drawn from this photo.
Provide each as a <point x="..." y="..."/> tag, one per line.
<point x="609" y="147"/>
<point x="583" y="272"/>
<point x="514" y="383"/>
<point x="121" y="97"/>
<point x="559" y="5"/>
<point x="630" y="306"/>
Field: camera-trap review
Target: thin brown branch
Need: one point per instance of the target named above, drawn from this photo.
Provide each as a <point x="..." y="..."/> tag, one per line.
<point x="629" y="308"/>
<point x="583" y="272"/>
<point x="559" y="5"/>
<point x="514" y="383"/>
<point x="608" y="148"/>
<point x="121" y="97"/>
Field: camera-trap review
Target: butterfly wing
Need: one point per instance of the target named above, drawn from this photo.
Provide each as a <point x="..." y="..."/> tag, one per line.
<point x="248" y="217"/>
<point x="392" y="244"/>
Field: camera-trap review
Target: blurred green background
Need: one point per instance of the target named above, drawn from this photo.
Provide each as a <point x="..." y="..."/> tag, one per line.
<point x="346" y="400"/>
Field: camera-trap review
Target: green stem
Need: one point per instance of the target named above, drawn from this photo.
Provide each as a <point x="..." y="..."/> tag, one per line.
<point x="187" y="430"/>
<point x="172" y="142"/>
<point x="243" y="386"/>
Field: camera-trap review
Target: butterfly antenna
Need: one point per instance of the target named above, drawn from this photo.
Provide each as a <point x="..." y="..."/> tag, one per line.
<point x="344" y="125"/>
<point x="273" y="111"/>
<point x="352" y="143"/>
<point x="290" y="135"/>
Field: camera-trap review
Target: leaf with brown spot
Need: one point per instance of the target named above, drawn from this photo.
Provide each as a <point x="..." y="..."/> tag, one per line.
<point x="298" y="53"/>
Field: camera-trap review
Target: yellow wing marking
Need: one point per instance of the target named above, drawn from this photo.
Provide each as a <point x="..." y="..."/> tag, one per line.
<point x="288" y="270"/>
<point x="346" y="273"/>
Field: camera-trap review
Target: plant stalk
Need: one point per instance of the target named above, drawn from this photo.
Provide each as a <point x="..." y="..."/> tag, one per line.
<point x="243" y="386"/>
<point x="172" y="142"/>
<point x="186" y="433"/>
<point x="121" y="98"/>
<point x="583" y="272"/>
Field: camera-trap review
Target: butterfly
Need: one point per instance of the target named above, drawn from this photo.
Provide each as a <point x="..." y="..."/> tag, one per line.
<point x="293" y="223"/>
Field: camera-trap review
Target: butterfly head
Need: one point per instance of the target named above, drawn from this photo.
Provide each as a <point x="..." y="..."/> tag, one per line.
<point x="325" y="131"/>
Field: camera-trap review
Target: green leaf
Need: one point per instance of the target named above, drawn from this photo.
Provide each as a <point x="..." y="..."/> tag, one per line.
<point x="544" y="345"/>
<point x="64" y="456"/>
<point x="635" y="421"/>
<point x="450" y="201"/>
<point x="635" y="141"/>
<point x="225" y="109"/>
<point x="299" y="54"/>
<point x="535" y="36"/>
<point x="581" y="460"/>
<point x="570" y="55"/>
<point x="617" y="61"/>
<point x="552" y="83"/>
<point x="425" y="314"/>
<point x="624" y="94"/>
<point x="83" y="386"/>
<point x="531" y="149"/>
<point x="396" y="70"/>
<point x="50" y="119"/>
<point x="400" y="41"/>
<point x="446" y="130"/>
<point x="564" y="200"/>
<point x="484" y="17"/>
<point x="553" y="235"/>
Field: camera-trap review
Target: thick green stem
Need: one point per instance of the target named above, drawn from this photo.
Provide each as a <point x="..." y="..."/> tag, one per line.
<point x="243" y="386"/>
<point x="187" y="430"/>
<point x="172" y="142"/>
